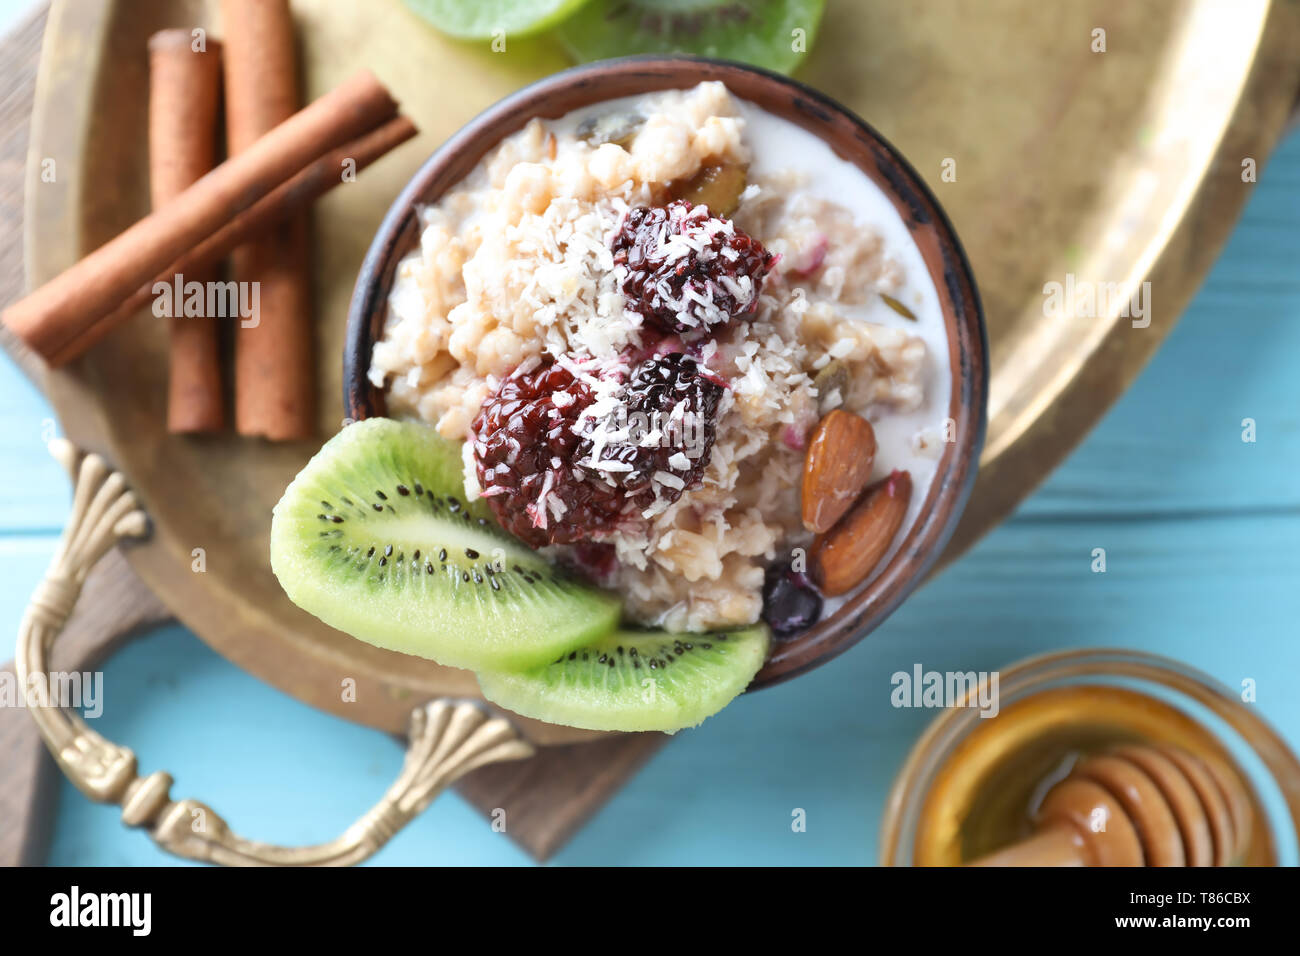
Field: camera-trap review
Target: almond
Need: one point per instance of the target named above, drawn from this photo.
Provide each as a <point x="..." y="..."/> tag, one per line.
<point x="843" y="557"/>
<point x="836" y="468"/>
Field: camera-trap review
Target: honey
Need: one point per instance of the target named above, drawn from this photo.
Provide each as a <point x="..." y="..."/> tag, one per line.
<point x="985" y="794"/>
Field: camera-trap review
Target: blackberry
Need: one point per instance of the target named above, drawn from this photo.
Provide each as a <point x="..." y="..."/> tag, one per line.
<point x="525" y="457"/>
<point x="658" y="441"/>
<point x="685" y="270"/>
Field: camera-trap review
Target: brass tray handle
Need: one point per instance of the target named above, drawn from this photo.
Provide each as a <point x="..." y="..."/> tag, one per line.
<point x="447" y="738"/>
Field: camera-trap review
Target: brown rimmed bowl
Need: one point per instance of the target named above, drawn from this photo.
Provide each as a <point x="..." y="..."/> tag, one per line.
<point x="851" y="139"/>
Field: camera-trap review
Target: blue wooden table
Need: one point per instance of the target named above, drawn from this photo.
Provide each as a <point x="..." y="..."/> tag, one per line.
<point x="1202" y="537"/>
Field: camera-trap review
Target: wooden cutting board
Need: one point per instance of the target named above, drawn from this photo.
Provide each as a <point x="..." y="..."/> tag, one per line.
<point x="546" y="798"/>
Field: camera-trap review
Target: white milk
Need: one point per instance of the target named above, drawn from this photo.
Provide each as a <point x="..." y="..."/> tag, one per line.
<point x="779" y="144"/>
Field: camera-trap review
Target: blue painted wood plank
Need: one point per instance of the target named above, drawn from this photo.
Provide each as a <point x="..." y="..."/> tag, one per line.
<point x="23" y="560"/>
<point x="1201" y="535"/>
<point x="276" y="769"/>
<point x="1219" y="595"/>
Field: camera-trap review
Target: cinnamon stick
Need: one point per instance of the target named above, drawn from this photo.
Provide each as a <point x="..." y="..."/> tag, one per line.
<point x="296" y="194"/>
<point x="275" y="384"/>
<point x="184" y="89"/>
<point x="57" y="312"/>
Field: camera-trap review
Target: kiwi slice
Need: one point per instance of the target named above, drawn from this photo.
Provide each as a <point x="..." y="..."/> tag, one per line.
<point x="761" y="32"/>
<point x="635" y="680"/>
<point x="374" y="537"/>
<point x="482" y="19"/>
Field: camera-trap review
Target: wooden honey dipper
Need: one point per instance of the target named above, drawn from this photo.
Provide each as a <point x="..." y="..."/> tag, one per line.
<point x="1158" y="806"/>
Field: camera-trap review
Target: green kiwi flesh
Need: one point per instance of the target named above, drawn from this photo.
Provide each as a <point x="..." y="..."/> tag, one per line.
<point x="490" y="19"/>
<point x="374" y="538"/>
<point x="759" y="32"/>
<point x="635" y="680"/>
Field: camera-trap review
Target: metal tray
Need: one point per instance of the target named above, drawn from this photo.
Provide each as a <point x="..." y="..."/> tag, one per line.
<point x="1122" y="167"/>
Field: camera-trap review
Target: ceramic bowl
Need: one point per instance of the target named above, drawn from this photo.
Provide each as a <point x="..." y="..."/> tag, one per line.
<point x="851" y="139"/>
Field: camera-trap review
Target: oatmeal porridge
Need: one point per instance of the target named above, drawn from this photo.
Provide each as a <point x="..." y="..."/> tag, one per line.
<point x="635" y="317"/>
